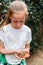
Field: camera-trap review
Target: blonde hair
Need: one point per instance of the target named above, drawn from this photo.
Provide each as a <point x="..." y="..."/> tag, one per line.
<point x="14" y="7"/>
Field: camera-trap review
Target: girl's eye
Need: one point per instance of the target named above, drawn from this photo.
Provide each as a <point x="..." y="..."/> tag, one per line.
<point x="21" y="21"/>
<point x="15" y="21"/>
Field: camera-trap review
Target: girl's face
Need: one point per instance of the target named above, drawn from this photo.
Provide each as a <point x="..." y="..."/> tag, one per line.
<point x="17" y="20"/>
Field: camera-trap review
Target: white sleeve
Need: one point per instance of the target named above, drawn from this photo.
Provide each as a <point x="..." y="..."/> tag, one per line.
<point x="28" y="37"/>
<point x="1" y="35"/>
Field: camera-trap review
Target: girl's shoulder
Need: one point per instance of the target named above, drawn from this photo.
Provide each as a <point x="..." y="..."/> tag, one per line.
<point x="4" y="28"/>
<point x="27" y="28"/>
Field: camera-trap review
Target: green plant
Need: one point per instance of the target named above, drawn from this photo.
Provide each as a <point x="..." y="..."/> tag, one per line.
<point x="35" y="8"/>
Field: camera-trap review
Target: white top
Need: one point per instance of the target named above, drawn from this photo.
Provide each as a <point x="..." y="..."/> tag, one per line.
<point x="15" y="39"/>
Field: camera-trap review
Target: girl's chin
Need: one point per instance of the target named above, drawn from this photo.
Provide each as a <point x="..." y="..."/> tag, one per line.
<point x="18" y="27"/>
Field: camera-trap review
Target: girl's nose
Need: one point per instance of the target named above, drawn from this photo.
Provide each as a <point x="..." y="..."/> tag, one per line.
<point x="18" y="25"/>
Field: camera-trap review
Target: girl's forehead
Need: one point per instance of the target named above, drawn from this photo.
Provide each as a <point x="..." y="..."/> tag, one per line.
<point x="19" y="15"/>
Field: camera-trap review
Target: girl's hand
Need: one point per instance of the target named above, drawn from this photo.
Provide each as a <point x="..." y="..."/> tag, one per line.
<point x="26" y="52"/>
<point x="23" y="54"/>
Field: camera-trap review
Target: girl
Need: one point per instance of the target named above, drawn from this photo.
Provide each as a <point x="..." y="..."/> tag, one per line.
<point x="15" y="37"/>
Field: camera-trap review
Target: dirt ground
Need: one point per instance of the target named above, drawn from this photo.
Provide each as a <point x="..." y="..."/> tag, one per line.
<point x="36" y="59"/>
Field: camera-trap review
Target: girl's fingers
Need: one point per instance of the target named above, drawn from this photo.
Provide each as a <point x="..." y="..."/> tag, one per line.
<point x="22" y="54"/>
<point x="22" y="57"/>
<point x="27" y="55"/>
<point x="19" y="57"/>
<point x="26" y="50"/>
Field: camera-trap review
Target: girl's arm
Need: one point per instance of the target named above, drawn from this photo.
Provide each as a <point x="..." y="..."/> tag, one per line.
<point x="5" y="51"/>
<point x="27" y="50"/>
<point x="27" y="47"/>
